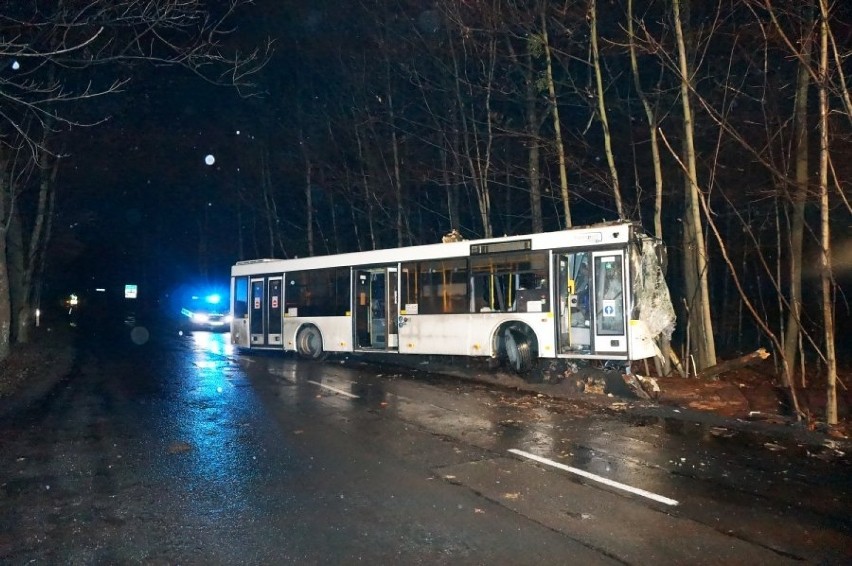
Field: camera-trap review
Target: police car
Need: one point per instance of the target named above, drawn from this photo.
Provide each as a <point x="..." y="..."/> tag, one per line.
<point x="207" y="312"/>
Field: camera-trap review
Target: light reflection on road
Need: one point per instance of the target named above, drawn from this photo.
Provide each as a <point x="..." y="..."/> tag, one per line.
<point x="480" y="417"/>
<point x="212" y="342"/>
<point x="215" y="421"/>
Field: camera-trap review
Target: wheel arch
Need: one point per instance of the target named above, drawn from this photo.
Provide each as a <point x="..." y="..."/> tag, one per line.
<point x="302" y="348"/>
<point x="526" y="344"/>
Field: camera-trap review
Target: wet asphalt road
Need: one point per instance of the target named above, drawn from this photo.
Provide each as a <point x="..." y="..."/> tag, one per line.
<point x="182" y="451"/>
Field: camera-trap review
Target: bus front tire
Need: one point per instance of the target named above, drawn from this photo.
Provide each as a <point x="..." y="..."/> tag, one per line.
<point x="309" y="344"/>
<point x="518" y="351"/>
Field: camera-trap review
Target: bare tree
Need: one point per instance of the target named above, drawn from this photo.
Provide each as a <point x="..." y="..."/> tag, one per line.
<point x="825" y="221"/>
<point x="799" y="198"/>
<point x="651" y="117"/>
<point x="65" y="54"/>
<point x="535" y="117"/>
<point x="602" y="112"/>
<point x="557" y="123"/>
<point x="80" y="39"/>
<point x="696" y="264"/>
<point x="473" y="65"/>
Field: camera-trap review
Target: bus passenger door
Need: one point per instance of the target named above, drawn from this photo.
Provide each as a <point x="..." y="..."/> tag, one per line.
<point x="273" y="311"/>
<point x="574" y="318"/>
<point x="376" y="309"/>
<point x="608" y="313"/>
<point x="362" y="308"/>
<point x="256" y="318"/>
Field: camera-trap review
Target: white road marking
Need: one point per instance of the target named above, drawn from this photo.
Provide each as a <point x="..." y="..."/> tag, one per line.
<point x="335" y="389"/>
<point x="596" y="478"/>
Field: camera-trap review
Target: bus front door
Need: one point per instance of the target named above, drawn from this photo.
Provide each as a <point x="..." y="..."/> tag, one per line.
<point x="608" y="313"/>
<point x="376" y="308"/>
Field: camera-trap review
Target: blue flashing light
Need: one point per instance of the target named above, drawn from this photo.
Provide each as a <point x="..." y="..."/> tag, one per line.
<point x="213" y="299"/>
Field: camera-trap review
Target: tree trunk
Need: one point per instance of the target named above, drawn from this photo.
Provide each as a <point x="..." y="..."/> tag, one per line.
<point x="749" y="359"/>
<point x="650" y="115"/>
<point x="309" y="198"/>
<point x="309" y="206"/>
<point x="452" y="190"/>
<point x="602" y="114"/>
<point x="5" y="303"/>
<point x="533" y="128"/>
<point x="26" y="266"/>
<point x="557" y="127"/>
<point x="368" y="195"/>
<point x="697" y="270"/>
<point x="477" y="144"/>
<point x="534" y="150"/>
<point x="800" y="116"/>
<point x="825" y="223"/>
<point x="397" y="177"/>
<point x="16" y="270"/>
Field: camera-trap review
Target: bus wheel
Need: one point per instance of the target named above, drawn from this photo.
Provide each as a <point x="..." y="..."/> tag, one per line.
<point x="518" y="351"/>
<point x="309" y="344"/>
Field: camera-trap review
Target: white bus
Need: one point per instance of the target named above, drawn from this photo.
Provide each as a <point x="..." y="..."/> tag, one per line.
<point x="593" y="293"/>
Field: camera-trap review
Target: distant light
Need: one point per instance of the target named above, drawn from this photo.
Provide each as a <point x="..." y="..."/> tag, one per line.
<point x="15" y="65"/>
<point x="131" y="291"/>
<point x="100" y="290"/>
<point x="210" y="160"/>
<point x="238" y="132"/>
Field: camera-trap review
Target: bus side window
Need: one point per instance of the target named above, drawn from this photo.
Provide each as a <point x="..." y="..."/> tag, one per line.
<point x="443" y="287"/>
<point x="532" y="292"/>
<point x="408" y="292"/>
<point x="511" y="281"/>
<point x="240" y="297"/>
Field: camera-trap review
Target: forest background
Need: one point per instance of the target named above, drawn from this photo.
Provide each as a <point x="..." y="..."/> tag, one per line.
<point x="723" y="127"/>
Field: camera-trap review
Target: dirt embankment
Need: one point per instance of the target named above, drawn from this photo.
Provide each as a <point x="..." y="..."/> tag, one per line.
<point x="31" y="370"/>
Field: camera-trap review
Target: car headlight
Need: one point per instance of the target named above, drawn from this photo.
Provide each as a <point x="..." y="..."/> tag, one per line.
<point x="200" y="318"/>
<point x="227" y="318"/>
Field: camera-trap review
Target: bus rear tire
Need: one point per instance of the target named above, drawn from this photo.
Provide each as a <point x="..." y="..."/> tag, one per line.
<point x="519" y="354"/>
<point x="309" y="344"/>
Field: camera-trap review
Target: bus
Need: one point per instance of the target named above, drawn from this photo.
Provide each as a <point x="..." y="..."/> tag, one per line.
<point x="587" y="293"/>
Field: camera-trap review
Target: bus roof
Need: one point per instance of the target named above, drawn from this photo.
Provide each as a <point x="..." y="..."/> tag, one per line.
<point x="587" y="236"/>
